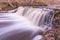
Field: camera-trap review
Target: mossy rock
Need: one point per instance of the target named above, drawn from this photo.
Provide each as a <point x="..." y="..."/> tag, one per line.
<point x="56" y="21"/>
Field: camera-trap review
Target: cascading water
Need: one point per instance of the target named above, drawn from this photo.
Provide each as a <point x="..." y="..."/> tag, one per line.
<point x="26" y="21"/>
<point x="38" y="16"/>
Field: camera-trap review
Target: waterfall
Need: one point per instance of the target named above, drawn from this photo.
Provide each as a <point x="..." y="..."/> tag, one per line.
<point x="25" y="20"/>
<point x="38" y="16"/>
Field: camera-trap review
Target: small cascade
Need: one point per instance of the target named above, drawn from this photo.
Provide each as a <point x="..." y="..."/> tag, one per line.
<point x="25" y="20"/>
<point x="38" y="16"/>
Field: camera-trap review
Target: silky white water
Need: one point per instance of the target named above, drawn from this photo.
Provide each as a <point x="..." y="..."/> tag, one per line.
<point x="26" y="18"/>
<point x="38" y="16"/>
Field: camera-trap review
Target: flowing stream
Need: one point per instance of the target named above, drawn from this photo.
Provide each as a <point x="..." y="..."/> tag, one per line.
<point x="24" y="19"/>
